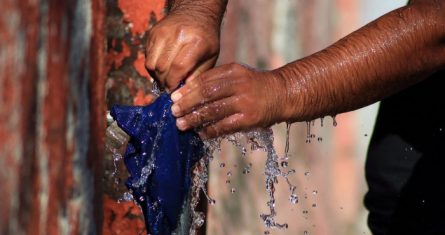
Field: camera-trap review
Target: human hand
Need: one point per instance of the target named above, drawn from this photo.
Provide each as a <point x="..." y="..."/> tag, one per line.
<point x="228" y="99"/>
<point x="181" y="46"/>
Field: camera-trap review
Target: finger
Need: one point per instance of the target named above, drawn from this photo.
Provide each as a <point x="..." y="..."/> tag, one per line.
<point x="203" y="67"/>
<point x="202" y="93"/>
<point x="187" y="60"/>
<point x="220" y="72"/>
<point x="217" y="73"/>
<point x="152" y="55"/>
<point x="229" y="125"/>
<point x="164" y="62"/>
<point x="211" y="112"/>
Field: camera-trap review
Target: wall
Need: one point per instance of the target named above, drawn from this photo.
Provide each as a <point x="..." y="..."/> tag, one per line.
<point x="51" y="116"/>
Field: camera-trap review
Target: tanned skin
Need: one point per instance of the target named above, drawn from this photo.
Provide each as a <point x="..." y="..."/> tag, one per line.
<point x="186" y="42"/>
<point x="392" y="53"/>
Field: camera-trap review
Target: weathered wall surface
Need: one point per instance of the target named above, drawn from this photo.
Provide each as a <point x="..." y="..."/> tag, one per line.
<point x="63" y="63"/>
<point x="128" y="83"/>
<point x="51" y="116"/>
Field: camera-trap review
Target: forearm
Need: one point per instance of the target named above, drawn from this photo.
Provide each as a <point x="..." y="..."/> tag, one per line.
<point x="211" y="11"/>
<point x="390" y="54"/>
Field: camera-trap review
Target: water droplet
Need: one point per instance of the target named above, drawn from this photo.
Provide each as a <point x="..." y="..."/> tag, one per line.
<point x="308" y="126"/>
<point x="286" y="148"/>
<point x="284" y="164"/>
<point x="293" y="198"/>
<point x="127" y="197"/>
<point x="199" y="219"/>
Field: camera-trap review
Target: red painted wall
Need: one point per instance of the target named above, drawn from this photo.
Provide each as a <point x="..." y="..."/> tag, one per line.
<point x="52" y="113"/>
<point x="128" y="82"/>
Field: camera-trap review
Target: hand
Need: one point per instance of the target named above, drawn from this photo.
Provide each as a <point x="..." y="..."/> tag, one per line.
<point x="228" y="99"/>
<point x="180" y="47"/>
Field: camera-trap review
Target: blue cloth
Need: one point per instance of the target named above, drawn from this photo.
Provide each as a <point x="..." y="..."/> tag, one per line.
<point x="157" y="145"/>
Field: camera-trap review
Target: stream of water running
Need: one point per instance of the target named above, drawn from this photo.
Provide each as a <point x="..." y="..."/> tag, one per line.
<point x="259" y="139"/>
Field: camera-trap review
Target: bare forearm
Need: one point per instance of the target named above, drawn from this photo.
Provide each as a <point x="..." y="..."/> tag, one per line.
<point x="211" y="10"/>
<point x="390" y="54"/>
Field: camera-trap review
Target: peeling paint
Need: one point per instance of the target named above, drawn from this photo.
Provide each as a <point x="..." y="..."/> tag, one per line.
<point x="138" y="13"/>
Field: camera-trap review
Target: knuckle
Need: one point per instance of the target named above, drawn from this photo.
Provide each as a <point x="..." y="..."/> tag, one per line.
<point x="178" y="65"/>
<point x="207" y="90"/>
<point x="149" y="65"/>
<point x="194" y="118"/>
<point x="196" y="38"/>
<point x="180" y="29"/>
<point x="161" y="67"/>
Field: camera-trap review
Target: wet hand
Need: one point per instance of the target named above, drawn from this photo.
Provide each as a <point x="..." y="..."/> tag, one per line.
<point x="181" y="46"/>
<point x="228" y="99"/>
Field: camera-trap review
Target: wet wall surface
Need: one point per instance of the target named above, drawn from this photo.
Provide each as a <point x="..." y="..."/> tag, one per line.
<point x="51" y="116"/>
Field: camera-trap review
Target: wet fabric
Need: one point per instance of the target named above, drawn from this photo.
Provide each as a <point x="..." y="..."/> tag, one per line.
<point x="405" y="167"/>
<point x="159" y="159"/>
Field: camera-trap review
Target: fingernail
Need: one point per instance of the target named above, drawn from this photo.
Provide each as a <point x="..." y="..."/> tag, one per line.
<point x="175" y="109"/>
<point x="176" y="96"/>
<point x="180" y="123"/>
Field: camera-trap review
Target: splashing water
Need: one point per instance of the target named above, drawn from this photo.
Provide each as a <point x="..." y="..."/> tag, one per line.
<point x="116" y="140"/>
<point x="260" y="139"/>
<point x="272" y="171"/>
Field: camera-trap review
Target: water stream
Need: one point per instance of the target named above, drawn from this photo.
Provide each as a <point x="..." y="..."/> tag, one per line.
<point x="257" y="140"/>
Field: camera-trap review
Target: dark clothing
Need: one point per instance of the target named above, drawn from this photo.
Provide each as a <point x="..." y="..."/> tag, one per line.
<point x="405" y="168"/>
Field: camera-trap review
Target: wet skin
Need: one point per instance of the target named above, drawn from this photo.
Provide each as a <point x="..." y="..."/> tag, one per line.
<point x="186" y="42"/>
<point x="392" y="53"/>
